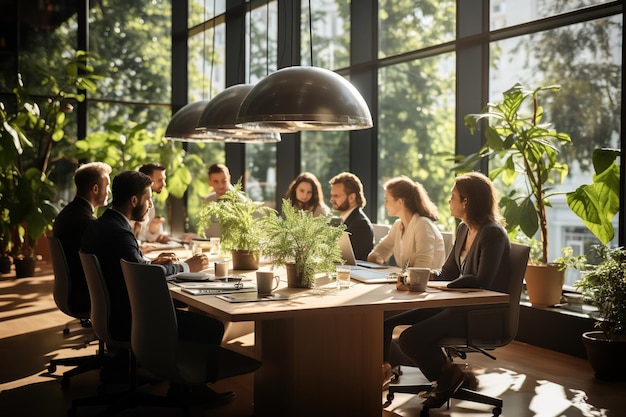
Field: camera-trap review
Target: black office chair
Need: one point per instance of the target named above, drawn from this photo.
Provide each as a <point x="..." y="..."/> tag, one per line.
<point x="160" y="345"/>
<point x="100" y="316"/>
<point x="61" y="293"/>
<point x="487" y="329"/>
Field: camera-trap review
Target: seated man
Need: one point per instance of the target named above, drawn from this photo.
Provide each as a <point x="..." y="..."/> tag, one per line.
<point x="151" y="230"/>
<point x="92" y="190"/>
<point x="346" y="196"/>
<point x="111" y="238"/>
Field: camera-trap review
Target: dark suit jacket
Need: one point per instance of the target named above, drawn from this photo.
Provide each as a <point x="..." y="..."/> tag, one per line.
<point x="69" y="226"/>
<point x="487" y="264"/>
<point x="361" y="233"/>
<point x="111" y="238"/>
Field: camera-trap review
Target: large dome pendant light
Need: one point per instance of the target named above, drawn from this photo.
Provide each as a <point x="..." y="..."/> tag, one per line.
<point x="183" y="124"/>
<point x="218" y="120"/>
<point x="304" y="98"/>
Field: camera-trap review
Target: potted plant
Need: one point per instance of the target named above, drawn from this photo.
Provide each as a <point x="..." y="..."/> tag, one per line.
<point x="304" y="243"/>
<point x="524" y="146"/>
<point x="30" y="129"/>
<point x="242" y="222"/>
<point x="604" y="284"/>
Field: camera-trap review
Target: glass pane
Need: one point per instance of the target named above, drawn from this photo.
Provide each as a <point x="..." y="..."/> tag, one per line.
<point x="586" y="61"/>
<point x="260" y="176"/>
<point x="325" y="154"/>
<point x="410" y="25"/>
<point x="207" y="52"/>
<point x="505" y="13"/>
<point x="331" y="33"/>
<point x="261" y="42"/>
<point x="135" y="51"/>
<point x="201" y="10"/>
<point x="207" y="154"/>
<point x="415" y="124"/>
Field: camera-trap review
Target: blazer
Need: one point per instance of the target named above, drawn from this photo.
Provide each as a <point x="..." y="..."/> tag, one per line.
<point x="111" y="238"/>
<point x="69" y="227"/>
<point x="361" y="233"/>
<point x="486" y="262"/>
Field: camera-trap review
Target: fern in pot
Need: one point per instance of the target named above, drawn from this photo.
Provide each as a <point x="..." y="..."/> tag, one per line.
<point x="305" y="244"/>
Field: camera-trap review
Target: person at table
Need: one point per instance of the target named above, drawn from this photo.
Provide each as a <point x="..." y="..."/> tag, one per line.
<point x="220" y="181"/>
<point x="413" y="239"/>
<point x="111" y="238"/>
<point x="305" y="193"/>
<point x="92" y="190"/>
<point x="151" y="230"/>
<point x="479" y="259"/>
<point x="346" y="196"/>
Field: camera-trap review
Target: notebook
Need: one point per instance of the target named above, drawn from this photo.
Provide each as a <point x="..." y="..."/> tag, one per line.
<point x="252" y="297"/>
<point x="348" y="254"/>
<point x="371" y="276"/>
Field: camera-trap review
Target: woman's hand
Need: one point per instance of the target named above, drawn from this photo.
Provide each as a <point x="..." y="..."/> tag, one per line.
<point x="376" y="258"/>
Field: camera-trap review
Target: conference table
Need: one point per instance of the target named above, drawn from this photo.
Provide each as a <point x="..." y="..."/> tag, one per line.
<point x="322" y="350"/>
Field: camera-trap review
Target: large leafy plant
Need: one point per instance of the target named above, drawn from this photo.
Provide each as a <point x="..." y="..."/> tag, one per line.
<point x="308" y="241"/>
<point x="519" y="144"/>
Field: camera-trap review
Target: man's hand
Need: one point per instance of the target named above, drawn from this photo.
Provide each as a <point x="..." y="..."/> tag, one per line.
<point x="198" y="263"/>
<point x="166" y="258"/>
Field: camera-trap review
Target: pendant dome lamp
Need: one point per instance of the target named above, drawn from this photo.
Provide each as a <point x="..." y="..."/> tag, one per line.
<point x="219" y="117"/>
<point x="183" y="124"/>
<point x="304" y="98"/>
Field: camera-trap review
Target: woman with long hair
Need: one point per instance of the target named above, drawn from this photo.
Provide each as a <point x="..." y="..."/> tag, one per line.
<point x="413" y="239"/>
<point x="305" y="193"/>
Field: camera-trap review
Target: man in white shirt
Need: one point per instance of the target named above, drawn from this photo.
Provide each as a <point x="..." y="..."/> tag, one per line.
<point x="219" y="180"/>
<point x="151" y="230"/>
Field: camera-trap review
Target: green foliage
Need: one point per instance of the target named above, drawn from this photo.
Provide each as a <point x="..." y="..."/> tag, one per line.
<point x="309" y="241"/>
<point x="568" y="260"/>
<point x="518" y="143"/>
<point x="241" y="219"/>
<point x="597" y="203"/>
<point x="31" y="141"/>
<point x="605" y="285"/>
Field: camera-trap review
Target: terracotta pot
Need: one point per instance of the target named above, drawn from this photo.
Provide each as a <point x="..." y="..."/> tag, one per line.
<point x="24" y="267"/>
<point x="606" y="356"/>
<point x="245" y="260"/>
<point x="544" y="284"/>
<point x="295" y="280"/>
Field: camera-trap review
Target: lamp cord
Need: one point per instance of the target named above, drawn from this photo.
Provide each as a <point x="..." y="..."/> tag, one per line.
<point x="311" y="32"/>
<point x="212" y="52"/>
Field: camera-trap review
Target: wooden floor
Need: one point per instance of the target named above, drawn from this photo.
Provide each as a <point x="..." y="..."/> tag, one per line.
<point x="530" y="380"/>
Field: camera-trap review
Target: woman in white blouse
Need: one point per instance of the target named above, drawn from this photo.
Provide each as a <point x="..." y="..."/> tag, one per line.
<point x="414" y="237"/>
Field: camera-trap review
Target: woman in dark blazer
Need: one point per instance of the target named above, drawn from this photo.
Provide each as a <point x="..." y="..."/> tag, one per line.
<point x="479" y="259"/>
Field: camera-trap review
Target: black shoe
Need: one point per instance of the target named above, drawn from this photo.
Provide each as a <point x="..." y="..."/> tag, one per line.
<point x="448" y="383"/>
<point x="470" y="382"/>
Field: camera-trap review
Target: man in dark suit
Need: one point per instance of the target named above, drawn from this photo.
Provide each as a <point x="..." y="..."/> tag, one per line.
<point x="92" y="190"/>
<point x="346" y="196"/>
<point x="111" y="238"/>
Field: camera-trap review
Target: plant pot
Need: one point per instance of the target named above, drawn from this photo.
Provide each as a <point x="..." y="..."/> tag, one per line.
<point x="245" y="260"/>
<point x="5" y="264"/>
<point x="24" y="267"/>
<point x="544" y="284"/>
<point x="606" y="356"/>
<point x="295" y="280"/>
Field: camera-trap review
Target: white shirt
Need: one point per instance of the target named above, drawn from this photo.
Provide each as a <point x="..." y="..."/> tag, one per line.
<point x="421" y="244"/>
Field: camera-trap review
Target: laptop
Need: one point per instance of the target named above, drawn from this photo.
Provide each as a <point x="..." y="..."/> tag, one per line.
<point x="371" y="276"/>
<point x="348" y="254"/>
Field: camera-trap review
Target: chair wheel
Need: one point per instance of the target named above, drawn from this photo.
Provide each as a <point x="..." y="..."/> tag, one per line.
<point x="52" y="368"/>
<point x="496" y="411"/>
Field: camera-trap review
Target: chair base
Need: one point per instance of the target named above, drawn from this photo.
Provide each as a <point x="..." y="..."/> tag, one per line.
<point x="81" y="364"/>
<point x="460" y="394"/>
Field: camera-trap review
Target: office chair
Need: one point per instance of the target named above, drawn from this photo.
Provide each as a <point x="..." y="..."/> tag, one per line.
<point x="487" y="329"/>
<point x="448" y="241"/>
<point x="160" y="345"/>
<point x="100" y="316"/>
<point x="61" y="292"/>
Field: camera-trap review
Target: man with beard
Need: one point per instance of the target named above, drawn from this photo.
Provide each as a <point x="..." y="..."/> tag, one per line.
<point x="151" y="230"/>
<point x="346" y="196"/>
<point x="111" y="238"/>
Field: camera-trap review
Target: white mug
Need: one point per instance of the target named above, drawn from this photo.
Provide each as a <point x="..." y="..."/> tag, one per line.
<point x="418" y="279"/>
<point x="266" y="282"/>
<point x="221" y="269"/>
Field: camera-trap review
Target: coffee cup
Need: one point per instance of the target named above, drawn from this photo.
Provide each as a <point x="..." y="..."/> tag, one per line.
<point x="418" y="278"/>
<point x="266" y="281"/>
<point x="221" y="269"/>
